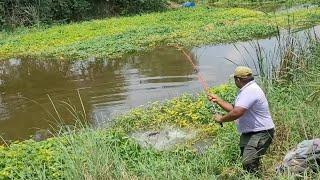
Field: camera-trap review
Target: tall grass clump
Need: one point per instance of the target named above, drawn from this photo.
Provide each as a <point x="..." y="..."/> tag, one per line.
<point x="112" y="155"/>
<point x="290" y="54"/>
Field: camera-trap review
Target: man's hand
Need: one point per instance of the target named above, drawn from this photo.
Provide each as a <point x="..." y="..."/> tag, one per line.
<point x="213" y="98"/>
<point x="217" y="118"/>
<point x="216" y="99"/>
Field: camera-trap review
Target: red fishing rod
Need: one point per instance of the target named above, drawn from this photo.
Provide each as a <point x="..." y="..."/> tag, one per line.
<point x="202" y="81"/>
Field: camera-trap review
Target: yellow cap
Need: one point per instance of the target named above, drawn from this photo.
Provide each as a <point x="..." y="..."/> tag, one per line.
<point x="242" y="72"/>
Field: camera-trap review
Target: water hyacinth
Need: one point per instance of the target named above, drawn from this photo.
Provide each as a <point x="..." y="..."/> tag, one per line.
<point x="115" y="37"/>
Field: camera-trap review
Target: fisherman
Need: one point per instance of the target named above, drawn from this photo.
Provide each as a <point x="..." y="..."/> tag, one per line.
<point x="252" y="116"/>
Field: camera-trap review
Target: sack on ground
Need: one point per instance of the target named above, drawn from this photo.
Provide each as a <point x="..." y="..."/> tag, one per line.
<point x="306" y="155"/>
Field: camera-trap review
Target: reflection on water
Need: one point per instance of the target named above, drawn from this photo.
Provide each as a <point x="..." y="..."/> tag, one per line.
<point x="107" y="87"/>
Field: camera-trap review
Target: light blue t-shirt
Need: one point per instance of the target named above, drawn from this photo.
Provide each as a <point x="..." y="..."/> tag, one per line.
<point x="257" y="117"/>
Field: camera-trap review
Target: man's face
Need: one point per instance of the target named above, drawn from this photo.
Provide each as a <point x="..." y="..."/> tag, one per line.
<point x="237" y="82"/>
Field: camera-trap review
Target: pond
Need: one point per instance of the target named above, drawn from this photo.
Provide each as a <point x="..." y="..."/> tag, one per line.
<point x="109" y="87"/>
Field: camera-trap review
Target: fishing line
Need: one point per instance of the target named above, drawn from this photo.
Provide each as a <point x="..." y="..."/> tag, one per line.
<point x="202" y="81"/>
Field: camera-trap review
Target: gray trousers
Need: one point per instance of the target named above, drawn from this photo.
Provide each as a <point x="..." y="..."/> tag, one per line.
<point x="253" y="145"/>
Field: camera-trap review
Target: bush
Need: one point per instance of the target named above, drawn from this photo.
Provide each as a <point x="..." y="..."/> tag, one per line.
<point x="65" y="10"/>
<point x="30" y="12"/>
<point x="2" y="20"/>
<point x="126" y="7"/>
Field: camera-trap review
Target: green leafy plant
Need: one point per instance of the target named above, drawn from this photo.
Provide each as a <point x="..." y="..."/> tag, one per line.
<point x="118" y="36"/>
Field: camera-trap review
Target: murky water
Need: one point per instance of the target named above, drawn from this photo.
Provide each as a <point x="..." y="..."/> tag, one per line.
<point x="107" y="87"/>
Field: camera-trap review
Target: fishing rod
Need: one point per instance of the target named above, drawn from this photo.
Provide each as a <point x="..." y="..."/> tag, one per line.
<point x="202" y="81"/>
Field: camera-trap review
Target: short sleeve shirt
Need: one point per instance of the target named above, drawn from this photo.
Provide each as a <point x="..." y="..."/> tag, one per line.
<point x="257" y="117"/>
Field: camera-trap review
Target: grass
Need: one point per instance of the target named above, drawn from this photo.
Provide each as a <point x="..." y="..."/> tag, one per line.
<point x="295" y="109"/>
<point x="111" y="38"/>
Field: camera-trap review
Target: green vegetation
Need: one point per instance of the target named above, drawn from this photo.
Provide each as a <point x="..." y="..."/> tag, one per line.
<point x="118" y="36"/>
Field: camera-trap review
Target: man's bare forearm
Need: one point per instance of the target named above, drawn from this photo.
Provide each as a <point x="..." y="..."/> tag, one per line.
<point x="224" y="105"/>
<point x="233" y="115"/>
<point x="229" y="117"/>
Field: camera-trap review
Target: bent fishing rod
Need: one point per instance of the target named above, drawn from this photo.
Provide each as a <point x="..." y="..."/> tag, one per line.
<point x="202" y="81"/>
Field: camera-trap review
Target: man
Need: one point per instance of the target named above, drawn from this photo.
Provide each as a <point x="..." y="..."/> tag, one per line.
<point x="252" y="116"/>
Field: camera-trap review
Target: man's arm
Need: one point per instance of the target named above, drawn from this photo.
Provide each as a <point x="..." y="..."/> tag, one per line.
<point x="234" y="114"/>
<point x="224" y="105"/>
